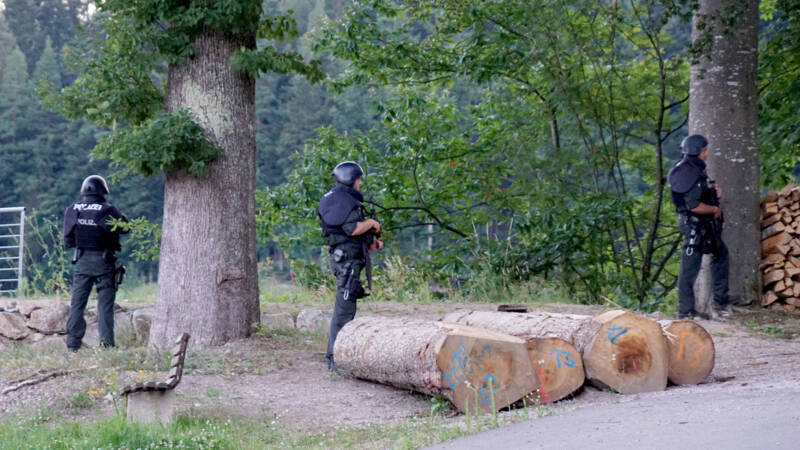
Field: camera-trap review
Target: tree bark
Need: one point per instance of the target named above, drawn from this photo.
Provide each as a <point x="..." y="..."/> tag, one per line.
<point x="723" y="107"/>
<point x="620" y="350"/>
<point x="477" y="370"/>
<point x="691" y="351"/>
<point x="207" y="279"/>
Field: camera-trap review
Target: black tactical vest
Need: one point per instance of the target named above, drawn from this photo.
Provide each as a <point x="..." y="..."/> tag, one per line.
<point x="333" y="210"/>
<point x="688" y="173"/>
<point x="87" y="220"/>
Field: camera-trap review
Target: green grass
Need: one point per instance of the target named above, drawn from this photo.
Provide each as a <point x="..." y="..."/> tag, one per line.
<point x="47" y="431"/>
<point x="769" y="330"/>
<point x="135" y="292"/>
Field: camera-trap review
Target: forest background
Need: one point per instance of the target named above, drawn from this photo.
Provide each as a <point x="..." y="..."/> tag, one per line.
<point x="535" y="148"/>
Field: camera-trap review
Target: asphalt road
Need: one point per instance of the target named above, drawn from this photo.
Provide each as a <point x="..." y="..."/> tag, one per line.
<point x="756" y="419"/>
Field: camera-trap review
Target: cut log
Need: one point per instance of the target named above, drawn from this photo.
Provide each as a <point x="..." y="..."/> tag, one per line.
<point x="768" y="298"/>
<point x="557" y="363"/>
<point x="769" y="209"/>
<point x="795" y="206"/>
<point x="784" y="202"/>
<point x="691" y="351"/>
<point x="772" y="230"/>
<point x="795" y="251"/>
<point x="558" y="367"/>
<point x="768" y="245"/>
<point x="772" y="258"/>
<point x="770" y="220"/>
<point x="476" y="369"/>
<point x="796" y="288"/>
<point x="783" y="249"/>
<point x="788" y="292"/>
<point x="771" y="197"/>
<point x="787" y="217"/>
<point x="793" y="261"/>
<point x="620" y="350"/>
<point x="792" y="271"/>
<point x="792" y="301"/>
<point x="788" y="281"/>
<point x="773" y="276"/>
<point x="796" y="194"/>
<point x="787" y="190"/>
<point x="778" y="286"/>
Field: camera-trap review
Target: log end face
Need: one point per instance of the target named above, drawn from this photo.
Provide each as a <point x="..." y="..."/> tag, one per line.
<point x="558" y="367"/>
<point x="691" y="352"/>
<point x="484" y="374"/>
<point x="629" y="354"/>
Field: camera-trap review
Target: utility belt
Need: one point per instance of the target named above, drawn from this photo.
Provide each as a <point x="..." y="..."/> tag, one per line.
<point x="347" y="250"/>
<point x="108" y="256"/>
<point x="700" y="235"/>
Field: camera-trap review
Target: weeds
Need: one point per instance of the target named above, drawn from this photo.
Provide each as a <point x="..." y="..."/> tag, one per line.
<point x="769" y="330"/>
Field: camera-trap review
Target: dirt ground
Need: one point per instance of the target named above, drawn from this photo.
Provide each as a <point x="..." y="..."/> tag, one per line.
<point x="289" y="384"/>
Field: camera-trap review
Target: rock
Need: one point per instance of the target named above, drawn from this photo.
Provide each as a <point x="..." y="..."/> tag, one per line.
<point x="5" y="343"/>
<point x="36" y="337"/>
<point x="26" y="307"/>
<point x="92" y="336"/>
<point x="123" y="330"/>
<point x="142" y="318"/>
<point x="123" y="326"/>
<point x="51" y="341"/>
<point x="51" y="319"/>
<point x="312" y="320"/>
<point x="7" y="304"/>
<point x="277" y="320"/>
<point x="13" y="326"/>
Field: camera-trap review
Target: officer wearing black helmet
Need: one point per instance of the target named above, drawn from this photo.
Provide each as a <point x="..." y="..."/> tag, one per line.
<point x="351" y="236"/>
<point x="86" y="229"/>
<point x="696" y="198"/>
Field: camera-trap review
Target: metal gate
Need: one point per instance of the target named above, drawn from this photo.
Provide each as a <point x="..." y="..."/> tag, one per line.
<point x="12" y="243"/>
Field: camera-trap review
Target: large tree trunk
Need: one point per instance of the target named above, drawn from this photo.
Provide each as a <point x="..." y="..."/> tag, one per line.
<point x="723" y="107"/>
<point x="476" y="369"/>
<point x="620" y="350"/>
<point x="207" y="278"/>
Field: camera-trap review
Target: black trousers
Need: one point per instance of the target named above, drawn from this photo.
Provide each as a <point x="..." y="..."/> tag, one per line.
<point x="92" y="269"/>
<point x="344" y="309"/>
<point x="691" y="259"/>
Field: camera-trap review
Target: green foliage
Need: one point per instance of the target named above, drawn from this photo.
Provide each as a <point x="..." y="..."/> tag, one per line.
<point x="166" y="143"/>
<point x="779" y="80"/>
<point x="144" y="238"/>
<point x="557" y="169"/>
<point x="120" y="67"/>
<point x="47" y="261"/>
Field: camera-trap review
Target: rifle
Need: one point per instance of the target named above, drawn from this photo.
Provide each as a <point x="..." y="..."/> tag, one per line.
<point x="716" y="224"/>
<point x="371" y="236"/>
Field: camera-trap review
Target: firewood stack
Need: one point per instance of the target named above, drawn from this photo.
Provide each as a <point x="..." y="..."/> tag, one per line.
<point x="780" y="248"/>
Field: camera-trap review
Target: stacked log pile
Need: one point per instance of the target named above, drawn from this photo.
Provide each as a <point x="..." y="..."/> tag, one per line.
<point x="780" y="249"/>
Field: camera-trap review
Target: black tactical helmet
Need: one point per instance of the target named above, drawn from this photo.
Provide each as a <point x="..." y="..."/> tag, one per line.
<point x="94" y="185"/>
<point x="347" y="173"/>
<point x="693" y="145"/>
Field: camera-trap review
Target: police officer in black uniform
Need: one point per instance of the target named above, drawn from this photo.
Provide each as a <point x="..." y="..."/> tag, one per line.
<point x="351" y="236"/>
<point x="87" y="230"/>
<point x="696" y="199"/>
